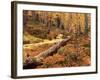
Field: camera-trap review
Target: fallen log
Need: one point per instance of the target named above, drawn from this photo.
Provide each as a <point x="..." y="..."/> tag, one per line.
<point x="31" y="65"/>
<point x="37" y="60"/>
<point x="53" y="49"/>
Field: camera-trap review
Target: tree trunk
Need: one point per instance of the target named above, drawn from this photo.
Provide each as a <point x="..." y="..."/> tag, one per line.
<point x="86" y="24"/>
<point x="53" y="48"/>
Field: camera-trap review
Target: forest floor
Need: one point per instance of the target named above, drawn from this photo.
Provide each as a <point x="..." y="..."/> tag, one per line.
<point x="75" y="53"/>
<point x="71" y="54"/>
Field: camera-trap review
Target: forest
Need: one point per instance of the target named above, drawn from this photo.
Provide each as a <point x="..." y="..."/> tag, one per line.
<point x="56" y="39"/>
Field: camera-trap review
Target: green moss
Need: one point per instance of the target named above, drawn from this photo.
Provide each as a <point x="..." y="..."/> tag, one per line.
<point x="32" y="39"/>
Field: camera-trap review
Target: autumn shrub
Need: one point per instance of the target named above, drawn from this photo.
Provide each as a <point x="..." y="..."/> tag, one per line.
<point x="87" y="51"/>
<point x="87" y="45"/>
<point x="48" y="61"/>
<point x="56" y="59"/>
<point x="61" y="50"/>
<point x="73" y="56"/>
<point x="71" y="59"/>
<point x="67" y="61"/>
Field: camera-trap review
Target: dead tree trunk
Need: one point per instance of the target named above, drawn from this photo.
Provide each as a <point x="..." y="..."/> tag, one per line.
<point x="38" y="59"/>
<point x="53" y="48"/>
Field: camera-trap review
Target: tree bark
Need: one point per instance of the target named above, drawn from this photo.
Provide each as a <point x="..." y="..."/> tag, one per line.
<point x="86" y="24"/>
